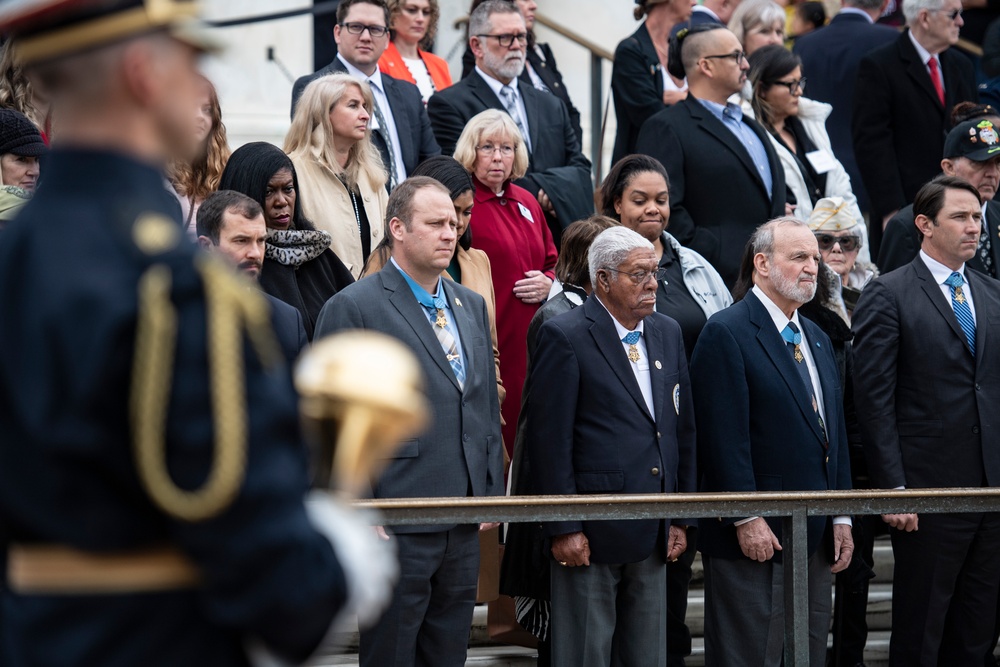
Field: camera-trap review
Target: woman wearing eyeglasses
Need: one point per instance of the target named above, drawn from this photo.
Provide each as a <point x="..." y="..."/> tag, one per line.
<point x="413" y="25"/>
<point x="797" y="128"/>
<point x="840" y="240"/>
<point x="509" y="226"/>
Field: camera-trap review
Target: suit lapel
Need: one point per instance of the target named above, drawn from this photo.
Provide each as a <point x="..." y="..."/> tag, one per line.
<point x="528" y="94"/>
<point x="993" y="230"/>
<point x="714" y="126"/>
<point x="933" y="292"/>
<point x="606" y="336"/>
<point x="917" y="71"/>
<point x="775" y="347"/>
<point x="654" y="344"/>
<point x="652" y="57"/>
<point x="483" y="92"/>
<point x="403" y="300"/>
<point x="827" y="373"/>
<point x="467" y="329"/>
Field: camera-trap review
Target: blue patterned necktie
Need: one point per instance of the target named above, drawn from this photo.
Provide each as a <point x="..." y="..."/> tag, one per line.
<point x="447" y="340"/>
<point x="793" y="341"/>
<point x="960" y="304"/>
<point x="632" y="340"/>
<point x="510" y="103"/>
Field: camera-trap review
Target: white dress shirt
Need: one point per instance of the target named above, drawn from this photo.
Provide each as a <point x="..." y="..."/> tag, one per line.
<point x="940" y="273"/>
<point x="495" y="86"/>
<point x="378" y="91"/>
<point x="639" y="368"/>
<point x="780" y="322"/>
<point x="925" y="57"/>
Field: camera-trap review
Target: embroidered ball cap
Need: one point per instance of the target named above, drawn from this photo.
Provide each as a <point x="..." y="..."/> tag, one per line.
<point x="19" y="136"/>
<point x="45" y="30"/>
<point x="977" y="140"/>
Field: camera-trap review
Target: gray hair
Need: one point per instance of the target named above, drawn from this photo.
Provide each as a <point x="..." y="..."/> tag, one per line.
<point x="912" y="8"/>
<point x="865" y="5"/>
<point x="479" y="22"/>
<point x="762" y="240"/>
<point x="612" y="247"/>
<point x="752" y="13"/>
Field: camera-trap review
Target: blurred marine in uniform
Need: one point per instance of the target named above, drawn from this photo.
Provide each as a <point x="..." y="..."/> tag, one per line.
<point x="152" y="480"/>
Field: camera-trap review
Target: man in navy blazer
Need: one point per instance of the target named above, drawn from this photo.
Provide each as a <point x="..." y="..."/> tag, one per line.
<point x="830" y="58"/>
<point x="609" y="411"/>
<point x="770" y="417"/>
<point x="407" y="140"/>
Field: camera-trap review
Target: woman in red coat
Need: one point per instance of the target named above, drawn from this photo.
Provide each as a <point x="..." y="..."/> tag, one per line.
<point x="509" y="226"/>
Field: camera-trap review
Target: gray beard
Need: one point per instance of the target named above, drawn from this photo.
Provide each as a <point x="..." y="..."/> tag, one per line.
<point x="790" y="288"/>
<point x="504" y="69"/>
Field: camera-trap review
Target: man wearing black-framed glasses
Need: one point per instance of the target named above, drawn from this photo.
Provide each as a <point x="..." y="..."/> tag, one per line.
<point x="558" y="174"/>
<point x="902" y="107"/>
<point x="400" y="128"/>
<point x="725" y="178"/>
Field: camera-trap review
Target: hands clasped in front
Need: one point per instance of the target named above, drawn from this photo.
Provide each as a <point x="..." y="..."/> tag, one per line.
<point x="533" y="288"/>
<point x="573" y="550"/>
<point x="759" y="543"/>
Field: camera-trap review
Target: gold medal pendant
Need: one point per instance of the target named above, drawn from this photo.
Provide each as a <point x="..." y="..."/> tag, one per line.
<point x="959" y="295"/>
<point x="799" y="358"/>
<point x="633" y="354"/>
<point x="441" y="320"/>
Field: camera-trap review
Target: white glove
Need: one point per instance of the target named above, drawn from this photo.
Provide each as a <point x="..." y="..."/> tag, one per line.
<point x="369" y="563"/>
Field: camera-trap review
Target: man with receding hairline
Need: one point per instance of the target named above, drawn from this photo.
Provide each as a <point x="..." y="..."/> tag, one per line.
<point x="725" y="178"/>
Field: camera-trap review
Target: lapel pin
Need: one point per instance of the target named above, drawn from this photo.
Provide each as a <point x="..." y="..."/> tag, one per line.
<point x="458" y="302"/>
<point x="658" y="365"/>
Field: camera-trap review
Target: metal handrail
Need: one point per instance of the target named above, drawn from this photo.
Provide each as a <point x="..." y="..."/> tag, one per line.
<point x="574" y="37"/>
<point x="795" y="507"/>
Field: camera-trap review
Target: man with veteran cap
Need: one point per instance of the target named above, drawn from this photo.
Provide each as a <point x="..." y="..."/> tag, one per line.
<point x="152" y="475"/>
<point x="972" y="153"/>
<point x="841" y="239"/>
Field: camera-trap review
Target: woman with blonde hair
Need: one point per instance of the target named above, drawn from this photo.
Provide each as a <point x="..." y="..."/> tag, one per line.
<point x="509" y="226"/>
<point x="413" y="25"/>
<point x="339" y="170"/>
<point x="17" y="93"/>
<point x="193" y="181"/>
<point x="758" y="23"/>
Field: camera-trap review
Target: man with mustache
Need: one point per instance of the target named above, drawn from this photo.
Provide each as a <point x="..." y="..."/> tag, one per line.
<point x="926" y="390"/>
<point x="558" y="174"/>
<point x="770" y="417"/>
<point x="609" y="410"/>
<point x="231" y="225"/>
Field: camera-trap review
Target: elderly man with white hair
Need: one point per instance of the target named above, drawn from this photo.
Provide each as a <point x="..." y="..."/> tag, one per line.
<point x="902" y="107"/>
<point x="609" y="410"/>
<point x="770" y="416"/>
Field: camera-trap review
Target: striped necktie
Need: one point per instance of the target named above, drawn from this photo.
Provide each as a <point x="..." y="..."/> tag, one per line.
<point x="960" y="304"/>
<point x="510" y="103"/>
<point x="383" y="130"/>
<point x="447" y="339"/>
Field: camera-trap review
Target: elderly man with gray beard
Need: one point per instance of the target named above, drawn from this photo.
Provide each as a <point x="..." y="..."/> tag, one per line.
<point x="770" y="417"/>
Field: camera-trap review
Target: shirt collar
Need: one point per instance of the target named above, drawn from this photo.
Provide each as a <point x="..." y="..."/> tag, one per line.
<point x="855" y="10"/>
<point x="939" y="271"/>
<point x="622" y="331"/>
<point x="719" y="109"/>
<point x="705" y="10"/>
<point x="423" y="296"/>
<point x="777" y="316"/>
<point x="495" y="85"/>
<point x="375" y="79"/>
<point x="924" y="54"/>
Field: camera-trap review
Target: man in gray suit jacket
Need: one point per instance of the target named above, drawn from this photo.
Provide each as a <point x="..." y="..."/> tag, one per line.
<point x="460" y="455"/>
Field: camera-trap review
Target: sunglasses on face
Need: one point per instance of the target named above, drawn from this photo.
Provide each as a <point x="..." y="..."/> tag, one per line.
<point x="847" y="243"/>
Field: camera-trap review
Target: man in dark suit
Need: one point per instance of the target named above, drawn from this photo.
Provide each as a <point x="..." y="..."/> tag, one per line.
<point x="460" y="454"/>
<point x="830" y="58"/>
<point x="400" y="127"/>
<point x="770" y="417"/>
<point x="725" y="178"/>
<point x="558" y="173"/>
<point x="972" y="153"/>
<point x="926" y="386"/>
<point x="902" y="107"/>
<point x="231" y="224"/>
<point x="604" y="381"/>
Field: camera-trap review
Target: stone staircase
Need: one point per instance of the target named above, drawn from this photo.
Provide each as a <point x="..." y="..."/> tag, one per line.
<point x="484" y="653"/>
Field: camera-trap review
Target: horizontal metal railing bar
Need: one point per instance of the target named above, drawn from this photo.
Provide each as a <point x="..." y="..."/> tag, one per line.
<point x="519" y="509"/>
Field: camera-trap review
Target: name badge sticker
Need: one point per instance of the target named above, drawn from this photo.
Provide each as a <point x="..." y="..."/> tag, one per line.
<point x="525" y="212"/>
<point x="821" y="160"/>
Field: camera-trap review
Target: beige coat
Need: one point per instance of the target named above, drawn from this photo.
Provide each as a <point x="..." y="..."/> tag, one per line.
<point x="327" y="204"/>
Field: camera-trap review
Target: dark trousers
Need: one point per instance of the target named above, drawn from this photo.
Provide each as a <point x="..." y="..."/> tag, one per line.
<point x="678" y="583"/>
<point x="428" y="621"/>
<point x="945" y="589"/>
<point x="850" y="607"/>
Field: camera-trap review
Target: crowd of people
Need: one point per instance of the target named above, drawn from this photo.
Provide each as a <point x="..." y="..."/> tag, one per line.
<point x="768" y="292"/>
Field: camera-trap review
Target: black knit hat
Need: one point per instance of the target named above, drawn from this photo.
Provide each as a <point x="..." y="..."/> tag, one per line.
<point x="19" y="136"/>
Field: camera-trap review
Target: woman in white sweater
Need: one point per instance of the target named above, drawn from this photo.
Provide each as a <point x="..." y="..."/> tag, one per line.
<point x="797" y="128"/>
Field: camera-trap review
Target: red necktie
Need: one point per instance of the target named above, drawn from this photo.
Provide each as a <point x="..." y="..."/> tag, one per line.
<point x="936" y="78"/>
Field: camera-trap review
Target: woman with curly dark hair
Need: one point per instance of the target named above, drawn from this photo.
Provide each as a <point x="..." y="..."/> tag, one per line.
<point x="412" y="26"/>
<point x="193" y="182"/>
